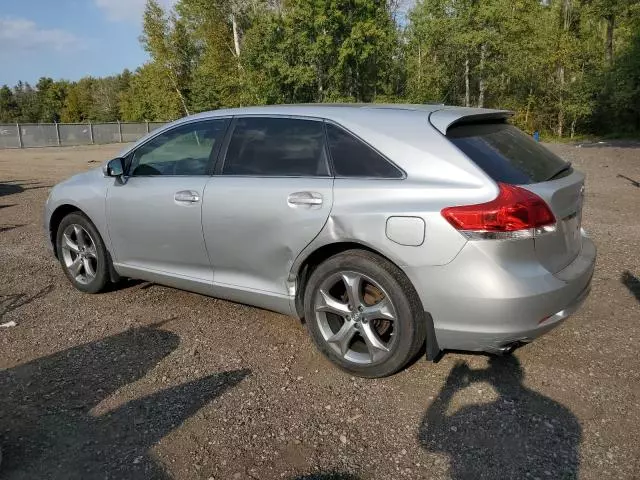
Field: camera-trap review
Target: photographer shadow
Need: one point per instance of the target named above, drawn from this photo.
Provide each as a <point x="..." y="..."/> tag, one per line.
<point x="520" y="434"/>
<point x="50" y="430"/>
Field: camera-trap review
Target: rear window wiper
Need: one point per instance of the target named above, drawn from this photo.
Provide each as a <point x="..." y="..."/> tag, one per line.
<point x="566" y="167"/>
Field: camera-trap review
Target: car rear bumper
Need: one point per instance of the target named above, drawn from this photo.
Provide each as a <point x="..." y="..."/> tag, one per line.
<point x="492" y="296"/>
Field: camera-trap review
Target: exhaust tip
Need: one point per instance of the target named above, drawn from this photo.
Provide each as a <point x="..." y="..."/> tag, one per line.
<point x="510" y="347"/>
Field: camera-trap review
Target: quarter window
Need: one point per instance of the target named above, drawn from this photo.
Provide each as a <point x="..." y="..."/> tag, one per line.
<point x="183" y="150"/>
<point x="353" y="158"/>
<point x="283" y="147"/>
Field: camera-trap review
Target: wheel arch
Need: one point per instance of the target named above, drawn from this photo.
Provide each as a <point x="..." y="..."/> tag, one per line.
<point x="307" y="264"/>
<point x="304" y="267"/>
<point x="62" y="211"/>
<point x="56" y="217"/>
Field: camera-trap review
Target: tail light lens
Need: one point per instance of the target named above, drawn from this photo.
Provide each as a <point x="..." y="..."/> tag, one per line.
<point x="514" y="213"/>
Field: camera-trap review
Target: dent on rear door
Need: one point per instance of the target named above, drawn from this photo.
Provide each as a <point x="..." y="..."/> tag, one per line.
<point x="253" y="234"/>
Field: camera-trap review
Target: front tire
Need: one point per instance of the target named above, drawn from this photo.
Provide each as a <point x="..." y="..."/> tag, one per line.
<point x="363" y="314"/>
<point x="82" y="253"/>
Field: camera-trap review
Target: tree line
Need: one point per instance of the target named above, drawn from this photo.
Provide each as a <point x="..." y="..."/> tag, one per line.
<point x="564" y="66"/>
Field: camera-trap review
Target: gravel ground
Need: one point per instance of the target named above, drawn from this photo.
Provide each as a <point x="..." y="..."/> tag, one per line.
<point x="150" y="382"/>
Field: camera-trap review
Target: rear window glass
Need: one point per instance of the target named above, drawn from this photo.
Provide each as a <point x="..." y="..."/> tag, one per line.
<point x="505" y="153"/>
<point x="262" y="146"/>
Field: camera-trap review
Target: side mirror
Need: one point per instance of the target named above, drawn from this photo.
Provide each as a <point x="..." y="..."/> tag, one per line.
<point x="115" y="168"/>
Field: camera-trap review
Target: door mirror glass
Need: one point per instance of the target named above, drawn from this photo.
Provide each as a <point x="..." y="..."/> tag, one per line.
<point x="115" y="168"/>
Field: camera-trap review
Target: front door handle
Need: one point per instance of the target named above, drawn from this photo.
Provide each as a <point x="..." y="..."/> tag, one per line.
<point x="187" y="196"/>
<point x="304" y="198"/>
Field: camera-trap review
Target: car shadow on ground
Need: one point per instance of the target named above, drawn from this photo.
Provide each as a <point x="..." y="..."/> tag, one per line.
<point x="522" y="434"/>
<point x="6" y="228"/>
<point x="47" y="429"/>
<point x="12" y="187"/>
<point x="632" y="283"/>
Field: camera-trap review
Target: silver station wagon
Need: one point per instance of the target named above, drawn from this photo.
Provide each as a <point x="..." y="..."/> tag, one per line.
<point x="390" y="229"/>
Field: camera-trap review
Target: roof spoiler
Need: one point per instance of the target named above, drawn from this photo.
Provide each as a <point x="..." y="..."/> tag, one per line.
<point x="443" y="119"/>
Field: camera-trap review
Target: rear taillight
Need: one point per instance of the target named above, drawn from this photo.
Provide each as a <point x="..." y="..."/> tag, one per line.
<point x="514" y="213"/>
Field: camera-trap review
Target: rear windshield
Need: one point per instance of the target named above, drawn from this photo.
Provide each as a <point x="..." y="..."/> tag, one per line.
<point x="505" y="153"/>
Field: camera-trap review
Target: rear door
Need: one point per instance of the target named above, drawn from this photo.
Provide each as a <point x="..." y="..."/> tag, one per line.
<point x="507" y="155"/>
<point x="271" y="196"/>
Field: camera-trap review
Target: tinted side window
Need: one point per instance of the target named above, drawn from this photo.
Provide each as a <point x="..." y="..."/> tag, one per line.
<point x="276" y="147"/>
<point x="184" y="150"/>
<point x="505" y="153"/>
<point x="353" y="158"/>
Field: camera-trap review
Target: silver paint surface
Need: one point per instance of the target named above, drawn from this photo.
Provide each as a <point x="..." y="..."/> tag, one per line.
<point x="245" y="238"/>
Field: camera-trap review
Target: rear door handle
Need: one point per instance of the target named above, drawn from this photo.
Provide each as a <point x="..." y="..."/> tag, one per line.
<point x="304" y="198"/>
<point x="187" y="196"/>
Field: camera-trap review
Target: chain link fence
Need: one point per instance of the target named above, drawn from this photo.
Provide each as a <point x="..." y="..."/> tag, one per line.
<point x="26" y="135"/>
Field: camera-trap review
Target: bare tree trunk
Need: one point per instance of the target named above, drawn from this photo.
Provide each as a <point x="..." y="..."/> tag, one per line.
<point x="467" y="94"/>
<point x="526" y="115"/>
<point x="560" y="105"/>
<point x="174" y="81"/>
<point x="419" y="65"/>
<point x="608" y="51"/>
<point x="573" y="126"/>
<point x="566" y="14"/>
<point x="236" y="34"/>
<point x="482" y="86"/>
<point x="566" y="23"/>
<point x="182" y="100"/>
<point x="320" y="97"/>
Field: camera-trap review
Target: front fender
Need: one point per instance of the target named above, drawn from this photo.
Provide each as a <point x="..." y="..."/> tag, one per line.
<point x="86" y="192"/>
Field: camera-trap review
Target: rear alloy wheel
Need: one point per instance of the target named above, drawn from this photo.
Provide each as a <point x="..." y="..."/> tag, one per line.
<point x="82" y="253"/>
<point x="363" y="314"/>
<point x="355" y="317"/>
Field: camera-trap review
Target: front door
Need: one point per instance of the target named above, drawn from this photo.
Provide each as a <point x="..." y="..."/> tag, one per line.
<point x="155" y="216"/>
<point x="272" y="196"/>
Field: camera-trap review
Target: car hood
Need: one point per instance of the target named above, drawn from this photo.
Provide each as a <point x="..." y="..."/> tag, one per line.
<point x="78" y="187"/>
<point x="88" y="176"/>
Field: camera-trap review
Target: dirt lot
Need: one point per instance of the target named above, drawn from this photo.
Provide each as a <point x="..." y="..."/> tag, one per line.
<point x="150" y="382"/>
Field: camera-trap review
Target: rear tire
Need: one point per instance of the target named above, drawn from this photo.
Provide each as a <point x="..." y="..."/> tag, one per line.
<point x="363" y="314"/>
<point x="82" y="253"/>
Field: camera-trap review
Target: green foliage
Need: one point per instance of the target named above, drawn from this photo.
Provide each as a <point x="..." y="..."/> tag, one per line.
<point x="565" y="67"/>
<point x="9" y="108"/>
<point x="149" y="97"/>
<point x="329" y="50"/>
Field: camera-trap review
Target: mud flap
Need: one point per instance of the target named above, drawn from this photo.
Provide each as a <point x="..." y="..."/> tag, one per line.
<point x="113" y="275"/>
<point x="432" y="348"/>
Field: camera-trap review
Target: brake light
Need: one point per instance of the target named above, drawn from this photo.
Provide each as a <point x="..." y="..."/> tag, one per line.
<point x="514" y="213"/>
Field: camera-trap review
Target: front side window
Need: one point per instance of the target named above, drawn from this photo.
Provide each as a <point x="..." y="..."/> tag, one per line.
<point x="184" y="150"/>
<point x="352" y="157"/>
<point x="280" y="147"/>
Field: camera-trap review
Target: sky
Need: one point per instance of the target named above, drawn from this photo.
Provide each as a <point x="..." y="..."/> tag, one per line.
<point x="69" y="39"/>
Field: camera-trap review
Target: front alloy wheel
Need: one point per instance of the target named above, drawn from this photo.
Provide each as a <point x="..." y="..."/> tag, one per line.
<point x="82" y="253"/>
<point x="79" y="254"/>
